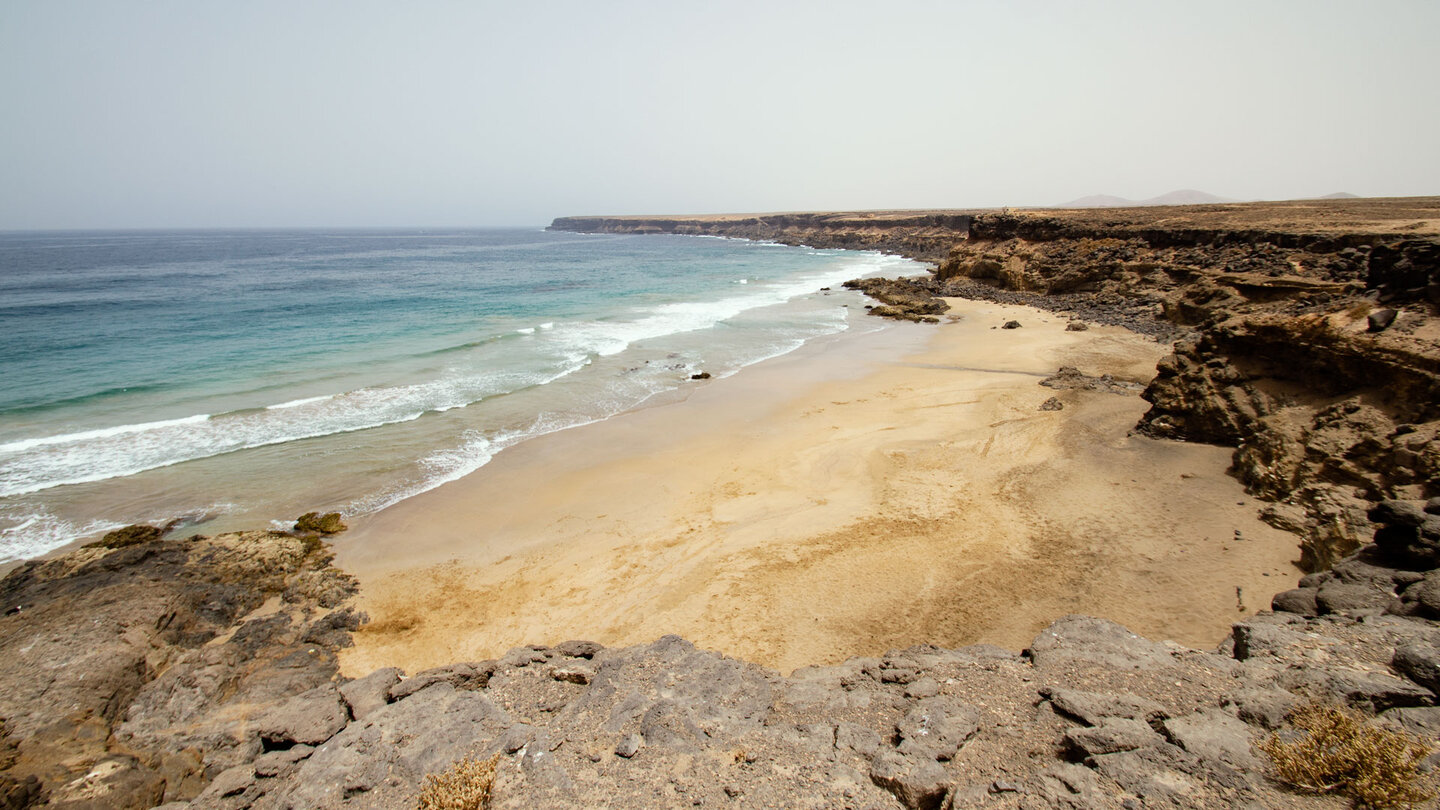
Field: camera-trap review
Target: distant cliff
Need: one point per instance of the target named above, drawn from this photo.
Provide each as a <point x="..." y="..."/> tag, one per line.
<point x="1322" y="226"/>
<point x="926" y="236"/>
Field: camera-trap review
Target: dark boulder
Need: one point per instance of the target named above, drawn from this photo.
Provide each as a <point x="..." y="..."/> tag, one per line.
<point x="372" y="692"/>
<point x="1420" y="663"/>
<point x="1097" y="641"/>
<point x="1381" y="319"/>
<point x="578" y="648"/>
<point x="314" y="522"/>
<point x="1423" y="598"/>
<point x="1396" y="513"/>
<point x="1297" y="600"/>
<point x="1115" y="735"/>
<point x="129" y="536"/>
<point x="1094" y="708"/>
<point x="1339" y="596"/>
<point x="919" y="784"/>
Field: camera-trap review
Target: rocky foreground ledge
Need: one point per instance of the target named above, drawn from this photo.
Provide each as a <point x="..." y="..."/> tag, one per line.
<point x="201" y="673"/>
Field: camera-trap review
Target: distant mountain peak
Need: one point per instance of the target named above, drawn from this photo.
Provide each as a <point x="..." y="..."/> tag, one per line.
<point x="1099" y="201"/>
<point x="1184" y="196"/>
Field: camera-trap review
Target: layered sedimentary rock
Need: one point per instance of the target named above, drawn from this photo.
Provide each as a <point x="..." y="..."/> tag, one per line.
<point x="1306" y="333"/>
<point x="135" y="674"/>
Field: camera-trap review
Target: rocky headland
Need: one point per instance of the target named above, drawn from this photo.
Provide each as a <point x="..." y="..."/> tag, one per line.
<point x="202" y="672"/>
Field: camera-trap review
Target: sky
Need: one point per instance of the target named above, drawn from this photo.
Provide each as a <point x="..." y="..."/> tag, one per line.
<point x="166" y="114"/>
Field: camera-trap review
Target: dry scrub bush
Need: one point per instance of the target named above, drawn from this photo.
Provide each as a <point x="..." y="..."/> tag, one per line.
<point x="463" y="786"/>
<point x="1333" y="750"/>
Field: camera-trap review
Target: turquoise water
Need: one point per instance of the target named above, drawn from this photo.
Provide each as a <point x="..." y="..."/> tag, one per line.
<point x="233" y="378"/>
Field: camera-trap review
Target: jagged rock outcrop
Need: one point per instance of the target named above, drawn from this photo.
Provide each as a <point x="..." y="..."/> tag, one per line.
<point x="134" y="675"/>
<point x="1327" y="413"/>
<point x="901" y="299"/>
<point x="1326" y="418"/>
<point x="1090" y="715"/>
<point x="205" y="678"/>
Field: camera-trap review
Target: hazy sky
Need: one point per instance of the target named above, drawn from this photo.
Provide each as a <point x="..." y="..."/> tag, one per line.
<point x="181" y="114"/>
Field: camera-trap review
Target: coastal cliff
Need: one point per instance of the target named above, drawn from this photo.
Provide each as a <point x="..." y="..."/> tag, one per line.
<point x="927" y="236"/>
<point x="202" y="672"/>
<point x="1305" y="332"/>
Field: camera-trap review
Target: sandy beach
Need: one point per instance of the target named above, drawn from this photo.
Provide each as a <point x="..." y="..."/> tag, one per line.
<point x="865" y="493"/>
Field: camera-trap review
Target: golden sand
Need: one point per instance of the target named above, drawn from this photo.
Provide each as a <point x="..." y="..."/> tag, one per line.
<point x="865" y="493"/>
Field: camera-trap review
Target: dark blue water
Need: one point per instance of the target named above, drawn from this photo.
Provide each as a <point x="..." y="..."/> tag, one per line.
<point x="246" y="374"/>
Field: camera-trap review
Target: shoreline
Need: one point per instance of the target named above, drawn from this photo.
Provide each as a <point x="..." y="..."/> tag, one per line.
<point x="863" y="493"/>
<point x="877" y="502"/>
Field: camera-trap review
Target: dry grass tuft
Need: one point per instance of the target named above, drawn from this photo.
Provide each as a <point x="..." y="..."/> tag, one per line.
<point x="463" y="786"/>
<point x="1333" y="750"/>
<point x="1359" y="310"/>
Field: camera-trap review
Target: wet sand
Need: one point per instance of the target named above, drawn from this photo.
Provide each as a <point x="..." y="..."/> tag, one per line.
<point x="864" y="493"/>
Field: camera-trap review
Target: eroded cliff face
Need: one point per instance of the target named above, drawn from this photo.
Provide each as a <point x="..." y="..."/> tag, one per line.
<point x="927" y="236"/>
<point x="1315" y="355"/>
<point x="1306" y="332"/>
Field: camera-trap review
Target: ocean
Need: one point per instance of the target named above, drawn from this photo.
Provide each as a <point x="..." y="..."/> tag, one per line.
<point x="236" y="379"/>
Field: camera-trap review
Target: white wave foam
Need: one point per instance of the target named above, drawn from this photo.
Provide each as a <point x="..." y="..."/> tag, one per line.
<point x="37" y="464"/>
<point x="38" y="531"/>
<point x="528" y="330"/>
<point x="450" y="464"/>
<point x="439" y="468"/>
<point x="102" y="433"/>
<point x="30" y="465"/>
<point x="295" y="403"/>
<point x="607" y="338"/>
